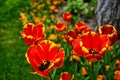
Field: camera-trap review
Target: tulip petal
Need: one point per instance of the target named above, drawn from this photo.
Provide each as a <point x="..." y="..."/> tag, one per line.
<point x="77" y="46"/>
<point x="59" y="59"/>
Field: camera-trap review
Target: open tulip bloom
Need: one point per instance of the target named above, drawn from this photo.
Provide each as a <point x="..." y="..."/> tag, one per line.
<point x="80" y="26"/>
<point x="60" y="27"/>
<point x="110" y="31"/>
<point x="91" y="46"/>
<point x="32" y="34"/>
<point x="44" y="57"/>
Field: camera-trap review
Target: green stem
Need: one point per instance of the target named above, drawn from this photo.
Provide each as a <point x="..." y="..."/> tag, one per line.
<point x="93" y="77"/>
<point x="50" y="77"/>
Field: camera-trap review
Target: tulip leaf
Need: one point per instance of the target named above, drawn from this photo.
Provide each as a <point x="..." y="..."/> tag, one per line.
<point x="96" y="69"/>
<point x="110" y="71"/>
<point x="53" y="73"/>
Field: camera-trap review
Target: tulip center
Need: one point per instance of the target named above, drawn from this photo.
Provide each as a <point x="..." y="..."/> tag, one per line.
<point x="92" y="51"/>
<point x="44" y="65"/>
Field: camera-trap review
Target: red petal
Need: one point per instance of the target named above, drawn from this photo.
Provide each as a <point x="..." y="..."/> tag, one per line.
<point x="65" y="76"/>
<point x="77" y="46"/>
<point x="49" y="48"/>
<point x="38" y="30"/>
<point x="96" y="42"/>
<point x="104" y="42"/>
<point x="43" y="74"/>
<point x="93" y="57"/>
<point x="87" y="40"/>
<point x="59" y="59"/>
<point x="107" y="29"/>
<point x="32" y="56"/>
<point x="52" y="53"/>
<point x="28" y="29"/>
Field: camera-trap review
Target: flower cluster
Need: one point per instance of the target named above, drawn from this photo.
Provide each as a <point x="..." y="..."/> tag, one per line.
<point x="41" y="11"/>
<point x="45" y="55"/>
<point x="85" y="41"/>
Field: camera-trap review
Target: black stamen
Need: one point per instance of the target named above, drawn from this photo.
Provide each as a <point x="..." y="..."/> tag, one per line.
<point x="92" y="51"/>
<point x="44" y="66"/>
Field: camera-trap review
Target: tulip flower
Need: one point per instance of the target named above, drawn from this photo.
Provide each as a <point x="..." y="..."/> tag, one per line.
<point x="70" y="36"/>
<point x="80" y="26"/>
<point x="45" y="57"/>
<point x="66" y="76"/>
<point x="67" y="16"/>
<point x="117" y="75"/>
<point x="110" y="31"/>
<point x="91" y="46"/>
<point x="60" y="27"/>
<point x="32" y="34"/>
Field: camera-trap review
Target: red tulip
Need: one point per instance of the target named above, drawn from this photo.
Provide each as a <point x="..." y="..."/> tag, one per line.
<point x="60" y="27"/>
<point x="44" y="57"/>
<point x="117" y="75"/>
<point x="91" y="46"/>
<point x="80" y="26"/>
<point x="66" y="76"/>
<point x="67" y="16"/>
<point x="87" y="30"/>
<point x="110" y="31"/>
<point x="32" y="34"/>
<point x="70" y="36"/>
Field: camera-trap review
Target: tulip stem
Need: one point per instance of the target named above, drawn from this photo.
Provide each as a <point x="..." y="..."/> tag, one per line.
<point x="50" y="77"/>
<point x="93" y="77"/>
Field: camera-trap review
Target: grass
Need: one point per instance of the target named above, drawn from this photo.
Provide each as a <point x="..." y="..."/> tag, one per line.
<point x="13" y="64"/>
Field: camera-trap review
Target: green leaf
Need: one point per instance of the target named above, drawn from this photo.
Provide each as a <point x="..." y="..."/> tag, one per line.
<point x="97" y="69"/>
<point x="110" y="71"/>
<point x="53" y="73"/>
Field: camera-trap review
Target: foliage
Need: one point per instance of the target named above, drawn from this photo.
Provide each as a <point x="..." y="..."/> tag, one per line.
<point x="80" y="8"/>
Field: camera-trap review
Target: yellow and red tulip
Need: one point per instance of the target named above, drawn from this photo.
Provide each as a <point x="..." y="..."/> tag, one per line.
<point x="60" y="27"/>
<point x="32" y="34"/>
<point x="80" y="26"/>
<point x="67" y="16"/>
<point x="66" y="76"/>
<point x="110" y="31"/>
<point x="91" y="46"/>
<point x="86" y="30"/>
<point x="44" y="57"/>
<point x="117" y="75"/>
<point x="70" y="36"/>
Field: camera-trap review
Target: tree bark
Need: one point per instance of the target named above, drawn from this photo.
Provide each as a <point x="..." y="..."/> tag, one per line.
<point x="108" y="12"/>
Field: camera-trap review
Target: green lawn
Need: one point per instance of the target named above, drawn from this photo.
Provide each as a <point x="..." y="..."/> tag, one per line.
<point x="13" y="65"/>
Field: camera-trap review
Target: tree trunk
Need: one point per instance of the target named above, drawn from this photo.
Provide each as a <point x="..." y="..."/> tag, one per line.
<point x="108" y="12"/>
